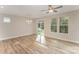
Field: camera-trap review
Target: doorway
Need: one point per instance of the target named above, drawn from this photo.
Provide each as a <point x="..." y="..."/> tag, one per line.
<point x="40" y="32"/>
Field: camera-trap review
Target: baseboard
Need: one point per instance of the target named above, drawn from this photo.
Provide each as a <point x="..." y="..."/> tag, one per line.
<point x="75" y="42"/>
<point x="11" y="37"/>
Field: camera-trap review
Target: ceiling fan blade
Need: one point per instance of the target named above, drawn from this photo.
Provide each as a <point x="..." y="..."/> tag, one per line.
<point x="43" y="10"/>
<point x="55" y="10"/>
<point x="58" y="7"/>
<point x="47" y="12"/>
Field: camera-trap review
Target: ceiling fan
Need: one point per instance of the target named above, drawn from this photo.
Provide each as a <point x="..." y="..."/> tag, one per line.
<point x="52" y="9"/>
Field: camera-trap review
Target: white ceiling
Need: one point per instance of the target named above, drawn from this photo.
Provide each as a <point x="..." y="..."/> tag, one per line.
<point x="33" y="10"/>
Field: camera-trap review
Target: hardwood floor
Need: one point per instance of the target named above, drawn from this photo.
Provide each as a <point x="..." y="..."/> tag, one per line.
<point x="29" y="45"/>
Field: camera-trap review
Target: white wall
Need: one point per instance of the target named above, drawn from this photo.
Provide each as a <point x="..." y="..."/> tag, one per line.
<point x="73" y="34"/>
<point x="17" y="27"/>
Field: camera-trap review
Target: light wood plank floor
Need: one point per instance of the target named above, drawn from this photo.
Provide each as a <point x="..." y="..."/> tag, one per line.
<point x="29" y="45"/>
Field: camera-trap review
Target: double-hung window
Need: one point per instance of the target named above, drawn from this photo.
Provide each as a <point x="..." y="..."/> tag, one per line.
<point x="54" y="25"/>
<point x="63" y="25"/>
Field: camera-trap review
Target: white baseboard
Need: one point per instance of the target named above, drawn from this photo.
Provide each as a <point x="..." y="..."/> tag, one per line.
<point x="13" y="37"/>
<point x="77" y="42"/>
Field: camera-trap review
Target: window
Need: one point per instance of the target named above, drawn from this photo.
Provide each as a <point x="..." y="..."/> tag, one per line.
<point x="63" y="24"/>
<point x="40" y="28"/>
<point x="6" y="20"/>
<point x="42" y="25"/>
<point x="54" y="25"/>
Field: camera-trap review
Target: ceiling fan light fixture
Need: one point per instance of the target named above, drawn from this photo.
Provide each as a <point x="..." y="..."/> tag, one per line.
<point x="50" y="11"/>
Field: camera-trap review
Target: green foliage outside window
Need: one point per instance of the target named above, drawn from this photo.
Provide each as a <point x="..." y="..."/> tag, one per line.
<point x="40" y="29"/>
<point x="64" y="25"/>
<point x="54" y="25"/>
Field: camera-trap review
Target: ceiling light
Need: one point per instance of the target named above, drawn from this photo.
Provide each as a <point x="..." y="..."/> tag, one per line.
<point x="1" y="6"/>
<point x="50" y="10"/>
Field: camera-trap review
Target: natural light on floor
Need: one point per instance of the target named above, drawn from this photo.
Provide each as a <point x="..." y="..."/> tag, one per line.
<point x="40" y="39"/>
<point x="40" y="36"/>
